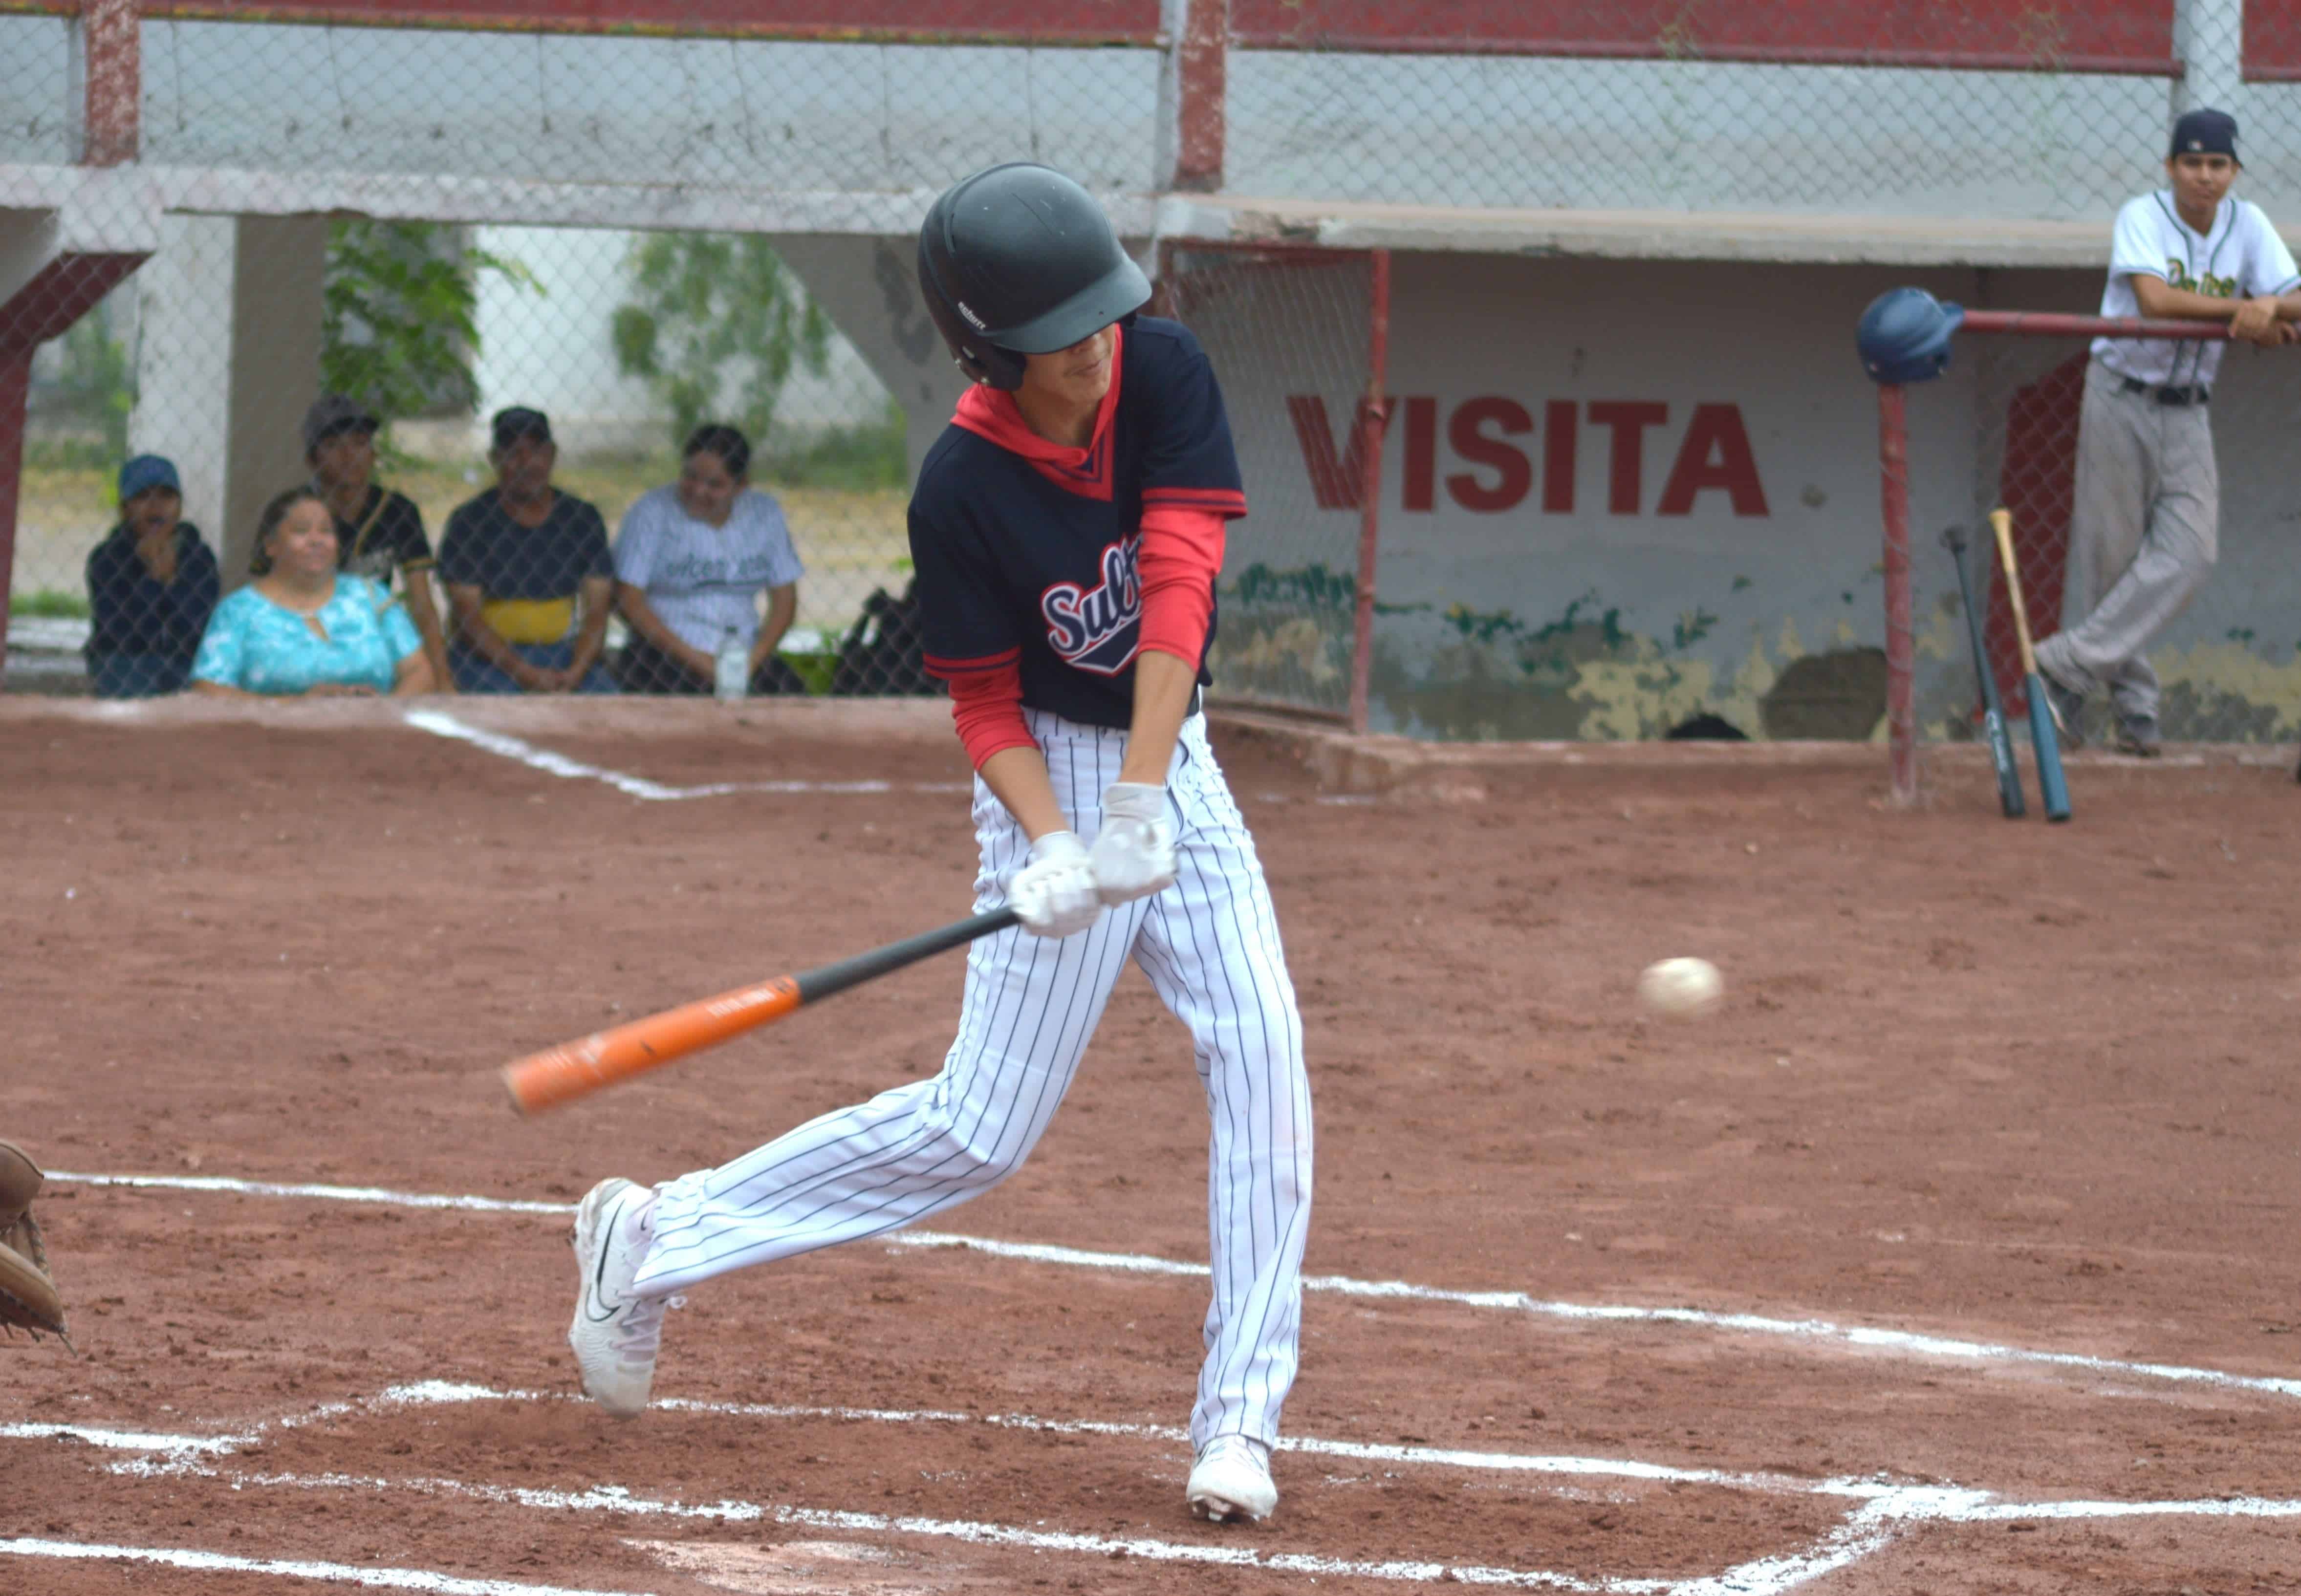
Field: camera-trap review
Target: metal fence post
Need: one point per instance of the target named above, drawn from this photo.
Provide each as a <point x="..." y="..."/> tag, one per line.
<point x="1900" y="658"/>
<point x="1374" y="417"/>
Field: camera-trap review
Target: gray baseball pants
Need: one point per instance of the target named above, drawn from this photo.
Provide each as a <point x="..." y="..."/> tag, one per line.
<point x="2142" y="538"/>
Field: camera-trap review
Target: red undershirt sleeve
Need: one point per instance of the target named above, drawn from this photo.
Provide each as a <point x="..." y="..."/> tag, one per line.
<point x="1181" y="553"/>
<point x="986" y="703"/>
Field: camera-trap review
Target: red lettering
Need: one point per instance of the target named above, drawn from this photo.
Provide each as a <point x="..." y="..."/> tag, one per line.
<point x="1513" y="473"/>
<point x="1628" y="419"/>
<point x="1716" y="454"/>
<point x="1560" y="437"/>
<point x="1335" y="484"/>
<point x="1421" y="453"/>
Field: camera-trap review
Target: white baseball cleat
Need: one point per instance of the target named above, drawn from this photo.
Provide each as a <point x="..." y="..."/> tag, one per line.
<point x="614" y="1335"/>
<point x="1230" y="1484"/>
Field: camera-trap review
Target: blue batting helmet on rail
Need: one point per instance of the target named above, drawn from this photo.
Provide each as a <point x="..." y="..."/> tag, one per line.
<point x="1904" y="336"/>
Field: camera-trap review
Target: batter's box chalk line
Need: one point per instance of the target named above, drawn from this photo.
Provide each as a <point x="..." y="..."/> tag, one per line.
<point x="559" y="764"/>
<point x="366" y="1576"/>
<point x="1886" y="1509"/>
<point x="1813" y="1331"/>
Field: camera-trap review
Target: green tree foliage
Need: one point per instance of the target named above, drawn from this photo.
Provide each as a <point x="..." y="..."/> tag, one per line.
<point x="96" y="382"/>
<point x="714" y="313"/>
<point x="400" y="324"/>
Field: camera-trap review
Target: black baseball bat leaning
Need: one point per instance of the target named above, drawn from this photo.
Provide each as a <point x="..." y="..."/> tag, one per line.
<point x="2053" y="787"/>
<point x="1992" y="708"/>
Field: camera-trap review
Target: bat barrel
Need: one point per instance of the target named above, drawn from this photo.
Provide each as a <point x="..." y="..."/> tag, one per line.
<point x="575" y="1069"/>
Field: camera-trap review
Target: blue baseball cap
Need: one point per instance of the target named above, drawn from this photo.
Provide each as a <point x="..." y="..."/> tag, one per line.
<point x="2204" y="131"/>
<point x="145" y="472"/>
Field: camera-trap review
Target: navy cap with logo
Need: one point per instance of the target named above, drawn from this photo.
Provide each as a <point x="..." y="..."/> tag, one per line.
<point x="331" y="414"/>
<point x="520" y="422"/>
<point x="2204" y="131"/>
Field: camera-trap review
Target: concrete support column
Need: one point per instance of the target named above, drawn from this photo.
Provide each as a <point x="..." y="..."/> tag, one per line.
<point x="2209" y="38"/>
<point x="276" y="315"/>
<point x="1193" y="87"/>
<point x="870" y="287"/>
<point x="15" y="388"/>
<point x="183" y="363"/>
<point x="228" y="362"/>
<point x="107" y="64"/>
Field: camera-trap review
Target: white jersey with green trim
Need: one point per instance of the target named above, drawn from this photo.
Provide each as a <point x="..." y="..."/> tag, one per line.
<point x="2239" y="257"/>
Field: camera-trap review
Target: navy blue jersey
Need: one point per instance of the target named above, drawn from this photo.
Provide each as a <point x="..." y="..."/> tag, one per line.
<point x="1031" y="563"/>
<point x="485" y="549"/>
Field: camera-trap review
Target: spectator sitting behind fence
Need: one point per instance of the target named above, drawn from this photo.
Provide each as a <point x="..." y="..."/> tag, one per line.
<point x="528" y="572"/>
<point x="303" y="628"/>
<point x="152" y="584"/>
<point x="691" y="559"/>
<point x="378" y="530"/>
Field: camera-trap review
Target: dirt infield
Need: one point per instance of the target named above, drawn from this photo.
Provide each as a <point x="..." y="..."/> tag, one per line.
<point x="1955" y="1255"/>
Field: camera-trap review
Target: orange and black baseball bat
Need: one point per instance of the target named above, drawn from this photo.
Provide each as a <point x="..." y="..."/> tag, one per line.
<point x="575" y="1069"/>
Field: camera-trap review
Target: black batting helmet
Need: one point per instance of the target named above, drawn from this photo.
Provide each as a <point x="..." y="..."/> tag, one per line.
<point x="1019" y="260"/>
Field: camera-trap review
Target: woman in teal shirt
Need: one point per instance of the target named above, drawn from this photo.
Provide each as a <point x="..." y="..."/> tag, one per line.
<point x="302" y="628"/>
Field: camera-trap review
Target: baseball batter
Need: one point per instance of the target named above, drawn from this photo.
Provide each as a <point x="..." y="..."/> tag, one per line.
<point x="1066" y="529"/>
<point x="2144" y="528"/>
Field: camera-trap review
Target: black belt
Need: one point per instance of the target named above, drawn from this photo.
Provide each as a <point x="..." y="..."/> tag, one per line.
<point x="2197" y="395"/>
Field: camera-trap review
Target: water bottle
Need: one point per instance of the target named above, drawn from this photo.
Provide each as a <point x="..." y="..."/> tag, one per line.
<point x="732" y="677"/>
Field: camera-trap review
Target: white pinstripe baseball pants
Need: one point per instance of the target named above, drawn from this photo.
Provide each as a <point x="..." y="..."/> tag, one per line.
<point x="1210" y="945"/>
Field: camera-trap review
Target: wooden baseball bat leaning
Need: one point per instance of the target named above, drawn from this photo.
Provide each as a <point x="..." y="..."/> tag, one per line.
<point x="1992" y="708"/>
<point x="575" y="1069"/>
<point x="2052" y="787"/>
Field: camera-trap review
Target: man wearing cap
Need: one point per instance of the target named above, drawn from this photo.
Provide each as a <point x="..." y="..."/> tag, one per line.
<point x="377" y="530"/>
<point x="2144" y="525"/>
<point x="152" y="585"/>
<point x="528" y="573"/>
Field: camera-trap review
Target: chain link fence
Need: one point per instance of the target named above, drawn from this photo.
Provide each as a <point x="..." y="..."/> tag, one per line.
<point x="641" y="217"/>
<point x="2214" y="660"/>
<point x="661" y="298"/>
<point x="1964" y="111"/>
<point x="1295" y="335"/>
<point x="621" y="345"/>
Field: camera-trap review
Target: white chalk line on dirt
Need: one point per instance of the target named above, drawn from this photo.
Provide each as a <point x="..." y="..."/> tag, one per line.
<point x="376" y="1195"/>
<point x="449" y="1394"/>
<point x="1889" y="1510"/>
<point x="341" y="1574"/>
<point x="615" y="1499"/>
<point x="1872" y="1529"/>
<point x="1774" y="1573"/>
<point x="1867" y="1337"/>
<point x="639" y="787"/>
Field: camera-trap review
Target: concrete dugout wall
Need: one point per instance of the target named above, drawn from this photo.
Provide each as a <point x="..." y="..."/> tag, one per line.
<point x="1620" y="493"/>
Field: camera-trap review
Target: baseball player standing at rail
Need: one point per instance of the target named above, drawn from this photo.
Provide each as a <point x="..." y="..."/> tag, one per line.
<point x="1067" y="527"/>
<point x="2143" y="526"/>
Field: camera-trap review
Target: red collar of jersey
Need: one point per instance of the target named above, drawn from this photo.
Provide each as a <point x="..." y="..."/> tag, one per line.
<point x="991" y="412"/>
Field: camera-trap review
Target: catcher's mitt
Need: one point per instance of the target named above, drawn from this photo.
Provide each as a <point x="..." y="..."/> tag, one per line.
<point x="28" y="1297"/>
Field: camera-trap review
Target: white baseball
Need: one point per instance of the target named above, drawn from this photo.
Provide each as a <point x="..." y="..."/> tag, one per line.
<point x="1681" y="989"/>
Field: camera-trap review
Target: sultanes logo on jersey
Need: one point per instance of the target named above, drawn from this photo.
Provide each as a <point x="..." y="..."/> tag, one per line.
<point x="1097" y="629"/>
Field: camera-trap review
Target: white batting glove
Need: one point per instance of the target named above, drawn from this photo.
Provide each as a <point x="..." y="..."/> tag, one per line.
<point x="1134" y="854"/>
<point x="1054" y="894"/>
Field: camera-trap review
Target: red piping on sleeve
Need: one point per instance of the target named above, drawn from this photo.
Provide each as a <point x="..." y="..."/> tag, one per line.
<point x="1181" y="553"/>
<point x="1226" y="501"/>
